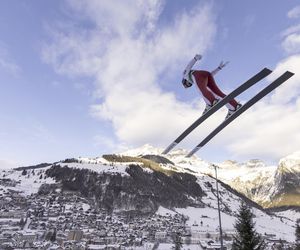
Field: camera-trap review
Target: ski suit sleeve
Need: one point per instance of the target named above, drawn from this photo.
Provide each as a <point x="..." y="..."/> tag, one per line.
<point x="190" y="65"/>
<point x="221" y="66"/>
<point x="215" y="71"/>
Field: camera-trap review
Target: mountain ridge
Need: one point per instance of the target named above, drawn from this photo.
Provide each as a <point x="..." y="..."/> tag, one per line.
<point x="144" y="181"/>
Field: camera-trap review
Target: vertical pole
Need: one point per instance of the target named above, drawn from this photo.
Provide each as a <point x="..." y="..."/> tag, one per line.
<point x="219" y="212"/>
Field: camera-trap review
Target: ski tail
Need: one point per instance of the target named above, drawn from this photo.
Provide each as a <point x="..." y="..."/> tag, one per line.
<point x="254" y="79"/>
<point x="273" y="85"/>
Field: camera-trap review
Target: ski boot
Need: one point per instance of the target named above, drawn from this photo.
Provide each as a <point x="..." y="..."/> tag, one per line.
<point x="208" y="107"/>
<point x="230" y="111"/>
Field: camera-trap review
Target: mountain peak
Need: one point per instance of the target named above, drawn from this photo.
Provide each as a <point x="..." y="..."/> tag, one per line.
<point x="143" y="150"/>
<point x="290" y="163"/>
<point x="148" y="149"/>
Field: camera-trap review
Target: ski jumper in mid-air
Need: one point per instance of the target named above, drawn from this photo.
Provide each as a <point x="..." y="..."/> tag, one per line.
<point x="207" y="85"/>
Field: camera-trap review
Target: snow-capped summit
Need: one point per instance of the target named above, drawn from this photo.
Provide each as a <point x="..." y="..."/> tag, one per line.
<point x="254" y="163"/>
<point x="266" y="185"/>
<point x="290" y="163"/>
<point x="176" y="155"/>
<point x="146" y="149"/>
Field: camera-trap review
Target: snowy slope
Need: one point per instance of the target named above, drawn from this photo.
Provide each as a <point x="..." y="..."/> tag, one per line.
<point x="243" y="176"/>
<point x="270" y="224"/>
<point x="291" y="163"/>
<point x="25" y="184"/>
<point x="31" y="181"/>
<point x="248" y="173"/>
<point x="267" y="185"/>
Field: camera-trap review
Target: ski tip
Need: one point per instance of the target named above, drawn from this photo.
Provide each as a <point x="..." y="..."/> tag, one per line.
<point x="192" y="152"/>
<point x="290" y="73"/>
<point x="169" y="148"/>
<point x="267" y="70"/>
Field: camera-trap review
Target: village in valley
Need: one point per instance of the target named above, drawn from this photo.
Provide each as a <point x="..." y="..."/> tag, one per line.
<point x="66" y="220"/>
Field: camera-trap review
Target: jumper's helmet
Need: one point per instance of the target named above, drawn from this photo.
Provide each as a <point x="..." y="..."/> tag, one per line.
<point x="186" y="83"/>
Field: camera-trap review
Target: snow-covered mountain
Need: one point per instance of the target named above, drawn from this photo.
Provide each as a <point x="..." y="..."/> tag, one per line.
<point x="143" y="179"/>
<point x="269" y="186"/>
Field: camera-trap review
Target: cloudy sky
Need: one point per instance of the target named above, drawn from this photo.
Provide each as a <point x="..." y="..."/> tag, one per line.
<point x="83" y="78"/>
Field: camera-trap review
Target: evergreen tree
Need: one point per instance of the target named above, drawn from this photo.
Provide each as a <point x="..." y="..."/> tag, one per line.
<point x="53" y="236"/>
<point x="247" y="238"/>
<point x="22" y="222"/>
<point x="297" y="234"/>
<point x="155" y="246"/>
<point x="177" y="241"/>
<point x="279" y="246"/>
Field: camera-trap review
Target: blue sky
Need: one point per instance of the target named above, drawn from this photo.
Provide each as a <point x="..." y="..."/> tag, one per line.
<point x="83" y="78"/>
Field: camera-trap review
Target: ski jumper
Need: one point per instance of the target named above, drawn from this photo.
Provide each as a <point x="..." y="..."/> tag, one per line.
<point x="206" y="84"/>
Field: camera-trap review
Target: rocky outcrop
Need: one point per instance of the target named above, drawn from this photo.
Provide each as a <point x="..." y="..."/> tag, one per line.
<point x="287" y="182"/>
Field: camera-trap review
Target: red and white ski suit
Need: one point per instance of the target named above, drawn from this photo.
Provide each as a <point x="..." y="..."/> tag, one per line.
<point x="206" y="84"/>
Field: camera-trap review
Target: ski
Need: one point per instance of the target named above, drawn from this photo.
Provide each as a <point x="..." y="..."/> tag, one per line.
<point x="256" y="78"/>
<point x="273" y="85"/>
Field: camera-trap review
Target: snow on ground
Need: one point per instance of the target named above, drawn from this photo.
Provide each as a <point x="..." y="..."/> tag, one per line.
<point x="254" y="170"/>
<point x="291" y="162"/>
<point x="228" y="171"/>
<point x="119" y="168"/>
<point x="204" y="219"/>
<point x="283" y="228"/>
<point x="207" y="220"/>
<point x="265" y="223"/>
<point x="164" y="211"/>
<point x="28" y="221"/>
<point x="68" y="207"/>
<point x="28" y="183"/>
<point x="165" y="246"/>
<point x="97" y="160"/>
<point x="85" y="207"/>
<point x="144" y="150"/>
<point x="289" y="214"/>
<point x="9" y="219"/>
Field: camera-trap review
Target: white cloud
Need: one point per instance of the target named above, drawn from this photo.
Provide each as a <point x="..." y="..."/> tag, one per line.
<point x="291" y="30"/>
<point x="120" y="17"/>
<point x="131" y="62"/>
<point x="291" y="44"/>
<point x="294" y="13"/>
<point x="270" y="129"/>
<point x="291" y="90"/>
<point x="128" y="59"/>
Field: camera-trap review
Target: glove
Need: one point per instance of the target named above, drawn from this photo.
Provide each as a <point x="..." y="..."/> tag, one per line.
<point x="197" y="57"/>
<point x="222" y="65"/>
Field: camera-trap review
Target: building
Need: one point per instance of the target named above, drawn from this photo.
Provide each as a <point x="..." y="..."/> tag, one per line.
<point x="75" y="235"/>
